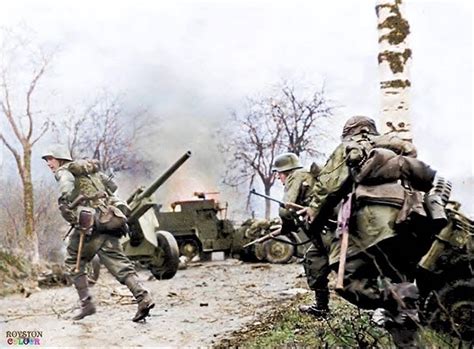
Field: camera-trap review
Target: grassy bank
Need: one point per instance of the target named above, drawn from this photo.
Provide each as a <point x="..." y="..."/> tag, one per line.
<point x="347" y="327"/>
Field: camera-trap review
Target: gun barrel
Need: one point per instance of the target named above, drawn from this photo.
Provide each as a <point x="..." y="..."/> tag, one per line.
<point x="281" y="203"/>
<point x="160" y="180"/>
<point x="264" y="238"/>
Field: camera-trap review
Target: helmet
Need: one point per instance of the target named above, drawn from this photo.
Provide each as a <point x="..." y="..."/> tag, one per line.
<point x="58" y="152"/>
<point x="286" y="162"/>
<point x="358" y="124"/>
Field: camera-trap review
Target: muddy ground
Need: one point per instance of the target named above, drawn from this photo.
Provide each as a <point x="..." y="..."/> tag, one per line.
<point x="198" y="307"/>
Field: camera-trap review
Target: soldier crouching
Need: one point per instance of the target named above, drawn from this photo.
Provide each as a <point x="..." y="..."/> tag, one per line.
<point x="365" y="174"/>
<point x="297" y="185"/>
<point x="87" y="202"/>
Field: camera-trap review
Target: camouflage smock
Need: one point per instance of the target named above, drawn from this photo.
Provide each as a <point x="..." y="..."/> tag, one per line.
<point x="372" y="223"/>
<point x="297" y="190"/>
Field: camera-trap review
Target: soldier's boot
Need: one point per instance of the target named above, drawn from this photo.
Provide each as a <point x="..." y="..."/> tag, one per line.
<point x="87" y="307"/>
<point x="436" y="200"/>
<point x="145" y="302"/>
<point x="320" y="308"/>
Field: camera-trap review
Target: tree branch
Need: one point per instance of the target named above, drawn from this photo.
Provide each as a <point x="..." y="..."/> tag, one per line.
<point x="29" y="94"/>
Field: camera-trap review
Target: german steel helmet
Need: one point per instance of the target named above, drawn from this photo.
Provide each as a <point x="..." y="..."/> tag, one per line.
<point x="358" y="124"/>
<point x="57" y="151"/>
<point x="286" y="162"/>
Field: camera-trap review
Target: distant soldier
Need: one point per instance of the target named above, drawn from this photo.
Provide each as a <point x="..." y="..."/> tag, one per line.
<point x="97" y="214"/>
<point x="384" y="178"/>
<point x="298" y="184"/>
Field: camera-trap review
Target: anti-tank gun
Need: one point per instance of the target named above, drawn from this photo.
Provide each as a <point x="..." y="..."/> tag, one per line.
<point x="445" y="277"/>
<point x="267" y="241"/>
<point x="156" y="250"/>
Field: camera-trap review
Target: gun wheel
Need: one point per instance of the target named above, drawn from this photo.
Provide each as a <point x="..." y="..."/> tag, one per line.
<point x="170" y="255"/>
<point x="276" y="251"/>
<point x="451" y="309"/>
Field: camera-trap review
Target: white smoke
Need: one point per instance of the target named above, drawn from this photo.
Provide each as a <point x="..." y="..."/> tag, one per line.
<point x="190" y="62"/>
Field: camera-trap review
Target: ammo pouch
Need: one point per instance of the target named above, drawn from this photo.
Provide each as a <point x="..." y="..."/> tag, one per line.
<point x="110" y="220"/>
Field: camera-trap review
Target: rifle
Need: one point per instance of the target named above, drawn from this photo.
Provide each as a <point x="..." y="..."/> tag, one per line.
<point x="343" y="218"/>
<point x="282" y="204"/>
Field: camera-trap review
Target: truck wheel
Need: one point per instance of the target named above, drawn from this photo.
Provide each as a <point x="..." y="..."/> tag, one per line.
<point x="167" y="243"/>
<point x="278" y="251"/>
<point x="189" y="248"/>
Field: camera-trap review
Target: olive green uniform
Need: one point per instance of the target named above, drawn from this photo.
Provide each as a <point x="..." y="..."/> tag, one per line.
<point x="106" y="246"/>
<point x="297" y="190"/>
<point x="109" y="250"/>
<point x="102" y="238"/>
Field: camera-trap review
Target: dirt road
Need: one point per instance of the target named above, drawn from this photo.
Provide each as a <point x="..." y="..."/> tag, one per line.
<point x="198" y="307"/>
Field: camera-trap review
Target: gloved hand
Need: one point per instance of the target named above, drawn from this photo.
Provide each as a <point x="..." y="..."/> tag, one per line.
<point x="308" y="213"/>
<point x="68" y="214"/>
<point x="354" y="156"/>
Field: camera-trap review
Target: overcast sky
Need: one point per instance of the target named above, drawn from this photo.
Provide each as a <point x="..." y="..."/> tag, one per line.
<point x="190" y="62"/>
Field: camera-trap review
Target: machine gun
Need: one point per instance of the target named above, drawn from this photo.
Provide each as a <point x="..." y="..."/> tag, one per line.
<point x="287" y="205"/>
<point x="299" y="221"/>
<point x="202" y="194"/>
<point x="154" y="249"/>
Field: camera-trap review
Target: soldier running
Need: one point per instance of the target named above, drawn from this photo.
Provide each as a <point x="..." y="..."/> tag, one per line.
<point x="97" y="213"/>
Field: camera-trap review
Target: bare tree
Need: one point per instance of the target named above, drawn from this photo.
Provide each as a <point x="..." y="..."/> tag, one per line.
<point x="255" y="141"/>
<point x="394" y="59"/>
<point x="103" y="132"/>
<point x="269" y="126"/>
<point x="48" y="224"/>
<point x="299" y="115"/>
<point x="20" y="131"/>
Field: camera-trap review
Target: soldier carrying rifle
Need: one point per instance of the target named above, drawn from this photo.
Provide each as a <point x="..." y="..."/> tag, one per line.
<point x="297" y="187"/>
<point x="98" y="217"/>
<point x="379" y="183"/>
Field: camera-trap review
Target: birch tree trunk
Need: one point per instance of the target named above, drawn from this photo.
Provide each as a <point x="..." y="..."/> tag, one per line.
<point x="394" y="60"/>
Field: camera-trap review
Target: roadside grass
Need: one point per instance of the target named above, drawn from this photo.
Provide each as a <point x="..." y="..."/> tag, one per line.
<point x="347" y="327"/>
<point x="12" y="269"/>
